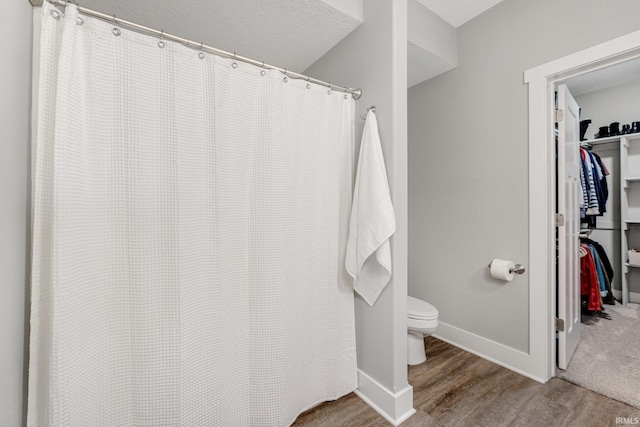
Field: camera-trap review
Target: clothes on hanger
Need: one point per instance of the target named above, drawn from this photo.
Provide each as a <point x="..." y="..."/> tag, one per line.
<point x="602" y="254"/>
<point x="589" y="287"/>
<point x="595" y="192"/>
<point x="596" y="275"/>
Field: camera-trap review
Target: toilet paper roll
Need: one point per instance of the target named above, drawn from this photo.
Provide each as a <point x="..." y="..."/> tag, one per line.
<point x="502" y="269"/>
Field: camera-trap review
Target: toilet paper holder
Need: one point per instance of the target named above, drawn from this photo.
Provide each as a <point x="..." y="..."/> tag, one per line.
<point x="518" y="268"/>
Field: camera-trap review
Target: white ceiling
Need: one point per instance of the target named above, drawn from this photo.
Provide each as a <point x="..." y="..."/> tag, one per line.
<point x="290" y="34"/>
<point x="423" y="65"/>
<point x="619" y="74"/>
<point x="457" y="12"/>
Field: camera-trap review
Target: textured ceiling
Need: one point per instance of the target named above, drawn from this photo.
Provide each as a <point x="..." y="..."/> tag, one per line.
<point x="423" y="65"/>
<point x="457" y="12"/>
<point x="625" y="72"/>
<point x="285" y="33"/>
<point x="290" y="34"/>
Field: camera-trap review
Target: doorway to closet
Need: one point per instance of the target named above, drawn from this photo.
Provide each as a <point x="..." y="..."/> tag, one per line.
<point x="608" y="152"/>
<point x="542" y="82"/>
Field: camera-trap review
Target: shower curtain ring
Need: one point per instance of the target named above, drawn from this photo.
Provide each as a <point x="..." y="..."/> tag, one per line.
<point x="201" y="54"/>
<point x="161" y="41"/>
<point x="113" y="18"/>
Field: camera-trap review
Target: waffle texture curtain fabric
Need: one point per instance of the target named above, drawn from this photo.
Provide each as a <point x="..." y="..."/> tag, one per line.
<point x="190" y="225"/>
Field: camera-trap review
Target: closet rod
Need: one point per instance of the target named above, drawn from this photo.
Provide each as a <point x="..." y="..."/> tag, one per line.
<point x="355" y="93"/>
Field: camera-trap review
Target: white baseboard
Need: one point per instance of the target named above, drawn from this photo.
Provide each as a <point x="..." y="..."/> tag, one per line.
<point x="394" y="407"/>
<point x="634" y="297"/>
<point x="492" y="351"/>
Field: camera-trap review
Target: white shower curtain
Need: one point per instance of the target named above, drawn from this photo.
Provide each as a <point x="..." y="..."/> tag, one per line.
<point x="190" y="223"/>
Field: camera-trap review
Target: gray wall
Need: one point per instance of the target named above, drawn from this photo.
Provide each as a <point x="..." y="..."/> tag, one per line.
<point x="431" y="33"/>
<point x="432" y="46"/>
<point x="615" y="104"/>
<point x="15" y="104"/>
<point x="373" y="57"/>
<point x="468" y="166"/>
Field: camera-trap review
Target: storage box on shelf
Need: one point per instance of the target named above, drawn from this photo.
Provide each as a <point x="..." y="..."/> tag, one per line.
<point x="634" y="257"/>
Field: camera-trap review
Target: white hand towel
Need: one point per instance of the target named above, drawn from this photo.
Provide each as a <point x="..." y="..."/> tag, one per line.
<point x="372" y="219"/>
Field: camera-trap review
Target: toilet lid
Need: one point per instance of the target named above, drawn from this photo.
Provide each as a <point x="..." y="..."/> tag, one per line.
<point x="419" y="309"/>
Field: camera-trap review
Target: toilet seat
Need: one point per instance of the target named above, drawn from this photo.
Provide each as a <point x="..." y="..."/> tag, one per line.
<point x="420" y="310"/>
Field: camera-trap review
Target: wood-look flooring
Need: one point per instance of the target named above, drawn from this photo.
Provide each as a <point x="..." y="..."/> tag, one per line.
<point x="457" y="388"/>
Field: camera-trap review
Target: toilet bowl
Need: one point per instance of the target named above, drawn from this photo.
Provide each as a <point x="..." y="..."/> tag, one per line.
<point x="422" y="321"/>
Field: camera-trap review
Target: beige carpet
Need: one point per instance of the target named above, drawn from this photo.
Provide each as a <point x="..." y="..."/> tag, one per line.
<point x="607" y="359"/>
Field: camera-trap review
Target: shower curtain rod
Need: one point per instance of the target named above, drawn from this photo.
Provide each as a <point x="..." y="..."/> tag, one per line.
<point x="356" y="93"/>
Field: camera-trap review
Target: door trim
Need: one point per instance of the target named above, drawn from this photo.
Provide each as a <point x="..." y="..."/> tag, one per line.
<point x="542" y="81"/>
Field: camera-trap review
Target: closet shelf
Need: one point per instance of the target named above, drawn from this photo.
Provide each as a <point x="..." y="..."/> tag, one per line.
<point x="632" y="178"/>
<point x="631" y="265"/>
<point x="599" y="141"/>
<point x="610" y="139"/>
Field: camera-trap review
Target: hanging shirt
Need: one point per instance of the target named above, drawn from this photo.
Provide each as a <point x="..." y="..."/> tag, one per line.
<point x="601" y="182"/>
<point x="589" y="280"/>
<point x="599" y="272"/>
<point x="593" y="206"/>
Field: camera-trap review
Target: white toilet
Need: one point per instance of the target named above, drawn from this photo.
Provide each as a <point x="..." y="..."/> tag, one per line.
<point x="422" y="321"/>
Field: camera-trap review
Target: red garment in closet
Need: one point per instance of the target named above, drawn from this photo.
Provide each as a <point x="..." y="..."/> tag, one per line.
<point x="589" y="279"/>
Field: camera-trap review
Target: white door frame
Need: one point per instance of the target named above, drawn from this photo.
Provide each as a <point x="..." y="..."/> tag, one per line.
<point x="542" y="81"/>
